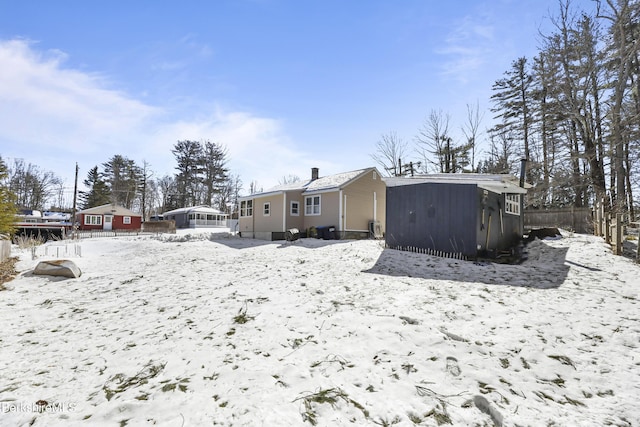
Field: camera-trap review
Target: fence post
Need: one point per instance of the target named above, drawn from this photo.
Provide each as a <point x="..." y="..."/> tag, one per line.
<point x="607" y="228"/>
<point x="618" y="236"/>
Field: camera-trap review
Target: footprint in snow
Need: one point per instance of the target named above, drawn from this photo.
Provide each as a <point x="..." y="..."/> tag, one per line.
<point x="452" y="366"/>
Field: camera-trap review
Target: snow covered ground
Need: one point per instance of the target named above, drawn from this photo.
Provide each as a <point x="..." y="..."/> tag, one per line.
<point x="198" y="329"/>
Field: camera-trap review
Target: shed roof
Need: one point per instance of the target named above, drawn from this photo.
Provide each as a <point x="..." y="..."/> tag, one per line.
<point x="109" y="209"/>
<point x="198" y="209"/>
<point x="496" y="183"/>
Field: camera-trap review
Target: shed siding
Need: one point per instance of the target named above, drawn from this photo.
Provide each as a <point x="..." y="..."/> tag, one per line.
<point x="435" y="216"/>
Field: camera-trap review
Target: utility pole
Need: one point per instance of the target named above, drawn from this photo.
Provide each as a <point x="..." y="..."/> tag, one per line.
<point x="75" y="197"/>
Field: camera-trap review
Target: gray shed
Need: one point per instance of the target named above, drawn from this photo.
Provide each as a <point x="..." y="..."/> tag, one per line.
<point x="455" y="214"/>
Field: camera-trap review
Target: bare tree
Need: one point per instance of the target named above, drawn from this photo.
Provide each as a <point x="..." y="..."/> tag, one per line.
<point x="289" y="179"/>
<point x="254" y="187"/>
<point x="390" y="150"/>
<point x="434" y="141"/>
<point x="431" y="140"/>
<point x="623" y="16"/>
<point x="470" y="129"/>
<point x="32" y="186"/>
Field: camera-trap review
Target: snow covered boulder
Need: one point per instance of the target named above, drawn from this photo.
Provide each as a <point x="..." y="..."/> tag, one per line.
<point x="60" y="267"/>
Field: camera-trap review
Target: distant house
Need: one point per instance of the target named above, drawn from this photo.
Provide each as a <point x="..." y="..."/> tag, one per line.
<point x="108" y="217"/>
<point x="344" y="205"/>
<point x="197" y="217"/>
<point x="468" y="214"/>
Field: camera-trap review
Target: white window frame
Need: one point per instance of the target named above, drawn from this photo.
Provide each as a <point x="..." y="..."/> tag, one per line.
<point x="266" y="209"/>
<point x="512" y="204"/>
<point x="313" y="208"/>
<point x="92" y="219"/>
<point x="375" y="175"/>
<point x="246" y="208"/>
<point x="295" y="208"/>
<point x="126" y="220"/>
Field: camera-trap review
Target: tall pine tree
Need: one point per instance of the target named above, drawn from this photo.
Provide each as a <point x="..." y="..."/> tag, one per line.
<point x="98" y="193"/>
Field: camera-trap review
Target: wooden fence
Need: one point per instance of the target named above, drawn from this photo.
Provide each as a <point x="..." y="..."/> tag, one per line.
<point x="574" y="219"/>
<point x="612" y="227"/>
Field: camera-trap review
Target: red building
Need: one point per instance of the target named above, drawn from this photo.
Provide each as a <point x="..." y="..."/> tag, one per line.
<point x="108" y="217"/>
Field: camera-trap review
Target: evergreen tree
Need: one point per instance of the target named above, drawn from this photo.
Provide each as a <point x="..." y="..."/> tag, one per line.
<point x="8" y="208"/>
<point x="513" y="100"/>
<point x="98" y="193"/>
<point x="123" y="177"/>
<point x="214" y="172"/>
<point x="188" y="155"/>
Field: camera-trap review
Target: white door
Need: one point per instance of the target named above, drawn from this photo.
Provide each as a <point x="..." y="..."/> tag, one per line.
<point x="108" y="221"/>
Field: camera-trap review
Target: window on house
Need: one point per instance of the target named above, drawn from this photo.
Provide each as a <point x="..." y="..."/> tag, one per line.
<point x="512" y="204"/>
<point x="93" y="219"/>
<point x="375" y="175"/>
<point x="246" y="208"/>
<point x="126" y="220"/>
<point x="295" y="208"/>
<point x="266" y="209"/>
<point x="312" y="205"/>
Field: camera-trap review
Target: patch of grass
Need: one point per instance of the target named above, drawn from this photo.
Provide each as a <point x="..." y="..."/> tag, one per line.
<point x="485" y="388"/>
<point x="299" y="342"/>
<point x="119" y="383"/>
<point x="525" y="364"/>
<point x="241" y="318"/>
<point x="334" y="359"/>
<point x="331" y="396"/>
<point x="212" y="377"/>
<point x="409" y="368"/>
<point x="543" y="395"/>
<point x="386" y="423"/>
<point x="572" y="401"/>
<point x="414" y="418"/>
<point x="504" y="363"/>
<point x="563" y="359"/>
<point x="26" y="242"/>
<point x="180" y="384"/>
<point x="439" y="414"/>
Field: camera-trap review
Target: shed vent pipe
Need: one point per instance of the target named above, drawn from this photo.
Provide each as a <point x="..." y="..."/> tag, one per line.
<point x="523" y="170"/>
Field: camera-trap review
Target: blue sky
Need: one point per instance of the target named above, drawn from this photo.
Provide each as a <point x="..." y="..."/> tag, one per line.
<point x="285" y="85"/>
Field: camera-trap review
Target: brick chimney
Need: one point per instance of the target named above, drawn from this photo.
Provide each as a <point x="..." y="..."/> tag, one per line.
<point x="314" y="174"/>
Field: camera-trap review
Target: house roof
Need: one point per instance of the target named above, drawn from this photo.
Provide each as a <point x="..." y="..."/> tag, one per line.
<point x="325" y="183"/>
<point x="199" y="209"/>
<point x="497" y="183"/>
<point x="109" y="209"/>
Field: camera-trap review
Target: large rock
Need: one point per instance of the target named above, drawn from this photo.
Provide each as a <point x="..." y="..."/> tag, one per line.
<point x="60" y="267"/>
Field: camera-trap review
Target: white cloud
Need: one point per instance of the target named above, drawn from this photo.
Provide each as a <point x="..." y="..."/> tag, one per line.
<point x="467" y="48"/>
<point x="54" y="116"/>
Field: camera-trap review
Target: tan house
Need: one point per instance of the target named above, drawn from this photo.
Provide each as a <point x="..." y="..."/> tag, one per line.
<point x="345" y="205"/>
